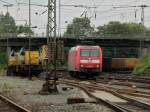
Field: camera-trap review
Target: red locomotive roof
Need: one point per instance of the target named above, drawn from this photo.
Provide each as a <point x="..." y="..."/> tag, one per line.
<point x="84" y="47"/>
<point x="87" y="47"/>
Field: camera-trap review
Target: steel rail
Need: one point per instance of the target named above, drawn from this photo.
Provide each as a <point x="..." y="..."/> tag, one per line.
<point x="129" y="78"/>
<point x="121" y="107"/>
<point x="132" y="92"/>
<point x="107" y="103"/>
<point x="13" y="105"/>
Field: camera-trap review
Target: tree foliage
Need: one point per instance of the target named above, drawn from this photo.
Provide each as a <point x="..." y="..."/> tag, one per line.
<point x="24" y="29"/>
<point x="115" y="28"/>
<point x="143" y="68"/>
<point x="8" y="25"/>
<point x="82" y="27"/>
<point x="79" y="27"/>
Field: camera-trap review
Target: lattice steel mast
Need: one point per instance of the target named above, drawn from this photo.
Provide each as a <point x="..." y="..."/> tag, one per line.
<point x="50" y="86"/>
<point x="51" y="31"/>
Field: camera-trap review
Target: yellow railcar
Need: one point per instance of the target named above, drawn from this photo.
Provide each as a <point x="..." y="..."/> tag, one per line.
<point x="44" y="52"/>
<point x="33" y="59"/>
<point x="13" y="59"/>
<point x="21" y="61"/>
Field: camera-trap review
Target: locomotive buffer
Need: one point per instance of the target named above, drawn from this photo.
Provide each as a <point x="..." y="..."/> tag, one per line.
<point x="55" y="51"/>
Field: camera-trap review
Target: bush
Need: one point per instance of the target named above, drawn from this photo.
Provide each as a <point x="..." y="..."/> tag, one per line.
<point x="143" y="68"/>
<point x="2" y="66"/>
<point x="3" y="58"/>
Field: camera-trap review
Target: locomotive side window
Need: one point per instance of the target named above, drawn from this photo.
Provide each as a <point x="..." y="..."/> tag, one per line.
<point x="89" y="52"/>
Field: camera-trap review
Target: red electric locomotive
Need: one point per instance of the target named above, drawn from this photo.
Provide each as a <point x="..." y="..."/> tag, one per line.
<point x="85" y="61"/>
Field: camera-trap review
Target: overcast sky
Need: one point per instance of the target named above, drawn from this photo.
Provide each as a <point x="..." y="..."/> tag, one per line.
<point x="104" y="12"/>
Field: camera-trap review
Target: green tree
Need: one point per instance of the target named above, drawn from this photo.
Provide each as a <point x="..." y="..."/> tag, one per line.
<point x="7" y="24"/>
<point x="116" y="28"/>
<point x="24" y="29"/>
<point x="134" y="28"/>
<point x="143" y="67"/>
<point x="79" y="27"/>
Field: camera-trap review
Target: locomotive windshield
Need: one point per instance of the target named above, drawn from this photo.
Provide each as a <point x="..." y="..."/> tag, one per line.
<point x="89" y="52"/>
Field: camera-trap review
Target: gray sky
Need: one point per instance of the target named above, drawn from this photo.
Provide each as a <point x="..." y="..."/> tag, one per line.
<point x="105" y="12"/>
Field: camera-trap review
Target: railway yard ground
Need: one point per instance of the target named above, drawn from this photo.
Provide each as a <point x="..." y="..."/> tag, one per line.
<point x="25" y="93"/>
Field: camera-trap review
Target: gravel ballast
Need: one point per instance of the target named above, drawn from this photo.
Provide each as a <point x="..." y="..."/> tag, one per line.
<point x="26" y="93"/>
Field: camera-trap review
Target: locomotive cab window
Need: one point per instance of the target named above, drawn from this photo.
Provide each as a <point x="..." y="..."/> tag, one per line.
<point x="89" y="52"/>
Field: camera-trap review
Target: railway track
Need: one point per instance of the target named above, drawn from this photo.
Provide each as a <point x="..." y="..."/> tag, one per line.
<point x="125" y="77"/>
<point x="123" y="88"/>
<point x="139" y="90"/>
<point x="6" y="105"/>
<point x="118" y="76"/>
<point x="129" y="105"/>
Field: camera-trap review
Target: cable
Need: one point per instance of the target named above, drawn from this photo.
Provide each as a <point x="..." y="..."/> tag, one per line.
<point x="114" y="15"/>
<point x="40" y="5"/>
<point x="67" y="1"/>
<point x="106" y="11"/>
<point x="6" y="2"/>
<point x="100" y="3"/>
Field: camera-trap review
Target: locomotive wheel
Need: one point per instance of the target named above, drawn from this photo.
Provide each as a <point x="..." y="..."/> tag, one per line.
<point x="96" y="78"/>
<point x="80" y="76"/>
<point x="71" y="73"/>
<point x="10" y="72"/>
<point x="74" y="74"/>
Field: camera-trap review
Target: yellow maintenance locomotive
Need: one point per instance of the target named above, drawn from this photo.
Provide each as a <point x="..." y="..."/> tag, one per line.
<point x="19" y="62"/>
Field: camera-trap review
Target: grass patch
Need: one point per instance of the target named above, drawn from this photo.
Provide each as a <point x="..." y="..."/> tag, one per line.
<point x="143" y="68"/>
<point x="6" y="88"/>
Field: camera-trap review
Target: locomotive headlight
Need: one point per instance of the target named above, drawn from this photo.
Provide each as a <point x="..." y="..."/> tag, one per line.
<point x="82" y="65"/>
<point x="97" y="66"/>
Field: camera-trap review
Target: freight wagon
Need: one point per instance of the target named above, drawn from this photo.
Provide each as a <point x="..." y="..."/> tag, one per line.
<point x="85" y="61"/>
<point x="124" y="64"/>
<point x="119" y="64"/>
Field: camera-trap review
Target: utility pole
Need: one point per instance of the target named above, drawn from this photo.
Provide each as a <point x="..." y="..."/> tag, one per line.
<point x="59" y="26"/>
<point x="51" y="76"/>
<point x="51" y="31"/>
<point x="142" y="22"/>
<point x="142" y="13"/>
<point x="29" y="39"/>
<point x="7" y="6"/>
